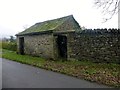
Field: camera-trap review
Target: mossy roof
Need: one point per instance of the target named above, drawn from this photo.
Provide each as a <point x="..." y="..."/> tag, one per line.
<point x="45" y="26"/>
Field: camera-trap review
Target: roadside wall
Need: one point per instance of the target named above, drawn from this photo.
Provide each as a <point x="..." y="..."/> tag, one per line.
<point x="96" y="48"/>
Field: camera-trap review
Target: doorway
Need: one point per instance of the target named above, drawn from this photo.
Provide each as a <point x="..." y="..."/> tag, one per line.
<point x="62" y="46"/>
<point x="21" y="45"/>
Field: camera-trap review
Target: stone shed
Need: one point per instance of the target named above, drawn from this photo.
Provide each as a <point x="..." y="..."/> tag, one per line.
<point x="48" y="39"/>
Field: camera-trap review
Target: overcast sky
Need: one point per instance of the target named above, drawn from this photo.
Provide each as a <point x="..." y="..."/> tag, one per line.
<point x="17" y="14"/>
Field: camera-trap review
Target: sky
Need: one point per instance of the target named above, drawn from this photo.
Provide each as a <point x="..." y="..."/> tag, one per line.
<point x="16" y="15"/>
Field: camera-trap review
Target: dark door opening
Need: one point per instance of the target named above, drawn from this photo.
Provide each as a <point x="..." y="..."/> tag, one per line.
<point x="21" y="45"/>
<point x="62" y="46"/>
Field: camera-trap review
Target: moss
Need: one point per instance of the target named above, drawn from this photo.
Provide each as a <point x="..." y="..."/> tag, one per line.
<point x="45" y="26"/>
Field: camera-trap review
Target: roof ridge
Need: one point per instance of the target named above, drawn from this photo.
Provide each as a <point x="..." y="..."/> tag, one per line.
<point x="54" y="19"/>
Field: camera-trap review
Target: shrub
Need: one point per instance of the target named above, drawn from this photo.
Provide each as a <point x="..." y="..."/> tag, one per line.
<point x="9" y="46"/>
<point x="0" y="44"/>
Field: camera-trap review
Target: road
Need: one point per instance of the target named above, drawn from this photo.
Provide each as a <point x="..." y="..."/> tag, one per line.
<point x="16" y="75"/>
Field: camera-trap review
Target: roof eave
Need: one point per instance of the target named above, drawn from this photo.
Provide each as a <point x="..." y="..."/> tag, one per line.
<point x="35" y="33"/>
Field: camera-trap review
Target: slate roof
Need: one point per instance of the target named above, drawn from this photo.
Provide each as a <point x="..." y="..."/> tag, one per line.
<point x="49" y="25"/>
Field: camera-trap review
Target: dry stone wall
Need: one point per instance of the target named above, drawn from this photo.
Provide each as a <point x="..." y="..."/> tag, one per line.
<point x="98" y="48"/>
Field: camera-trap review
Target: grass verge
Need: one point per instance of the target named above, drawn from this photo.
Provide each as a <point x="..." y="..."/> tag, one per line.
<point x="103" y="73"/>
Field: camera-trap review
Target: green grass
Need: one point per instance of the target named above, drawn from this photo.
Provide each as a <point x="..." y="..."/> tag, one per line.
<point x="97" y="72"/>
<point x="20" y="58"/>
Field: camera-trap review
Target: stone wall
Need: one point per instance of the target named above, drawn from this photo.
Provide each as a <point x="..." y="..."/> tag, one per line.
<point x="94" y="46"/>
<point x="99" y="48"/>
<point x="39" y="45"/>
<point x="70" y="24"/>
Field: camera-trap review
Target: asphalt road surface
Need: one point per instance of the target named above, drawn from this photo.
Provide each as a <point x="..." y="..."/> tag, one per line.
<point x="16" y="75"/>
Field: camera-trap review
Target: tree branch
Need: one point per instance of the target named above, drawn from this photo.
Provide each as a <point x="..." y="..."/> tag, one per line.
<point x="109" y="7"/>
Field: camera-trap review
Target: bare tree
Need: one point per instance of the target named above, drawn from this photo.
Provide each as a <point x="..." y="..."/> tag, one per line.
<point x="25" y="26"/>
<point x="109" y="7"/>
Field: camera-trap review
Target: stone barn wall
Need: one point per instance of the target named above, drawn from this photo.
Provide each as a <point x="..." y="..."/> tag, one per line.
<point x="98" y="48"/>
<point x="39" y="45"/>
